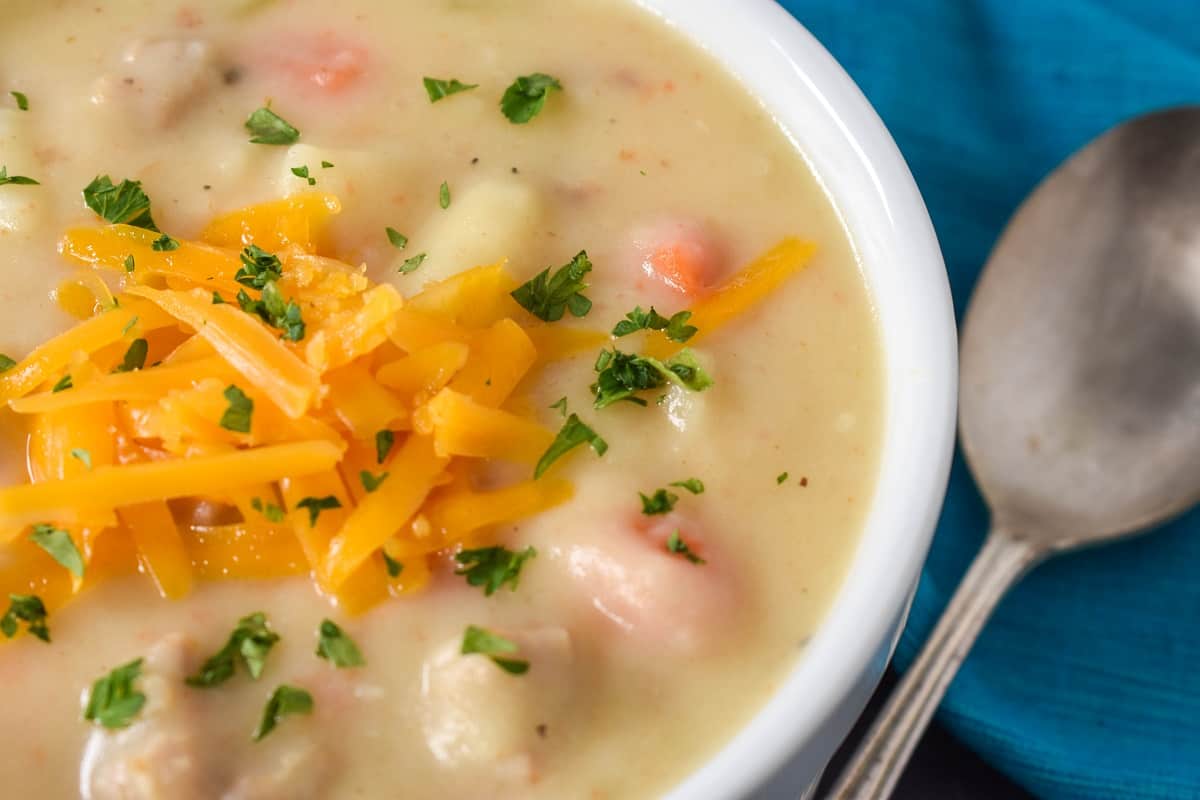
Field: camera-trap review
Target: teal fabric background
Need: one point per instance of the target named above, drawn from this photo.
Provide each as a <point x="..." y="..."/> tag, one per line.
<point x="1087" y="682"/>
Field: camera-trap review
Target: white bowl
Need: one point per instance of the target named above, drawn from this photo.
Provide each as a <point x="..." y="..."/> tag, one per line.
<point x="782" y="751"/>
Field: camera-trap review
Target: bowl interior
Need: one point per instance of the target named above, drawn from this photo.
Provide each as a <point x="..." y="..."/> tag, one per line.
<point x="853" y="155"/>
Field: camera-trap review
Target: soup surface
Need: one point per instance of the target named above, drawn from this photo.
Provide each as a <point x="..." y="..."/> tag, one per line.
<point x="649" y="638"/>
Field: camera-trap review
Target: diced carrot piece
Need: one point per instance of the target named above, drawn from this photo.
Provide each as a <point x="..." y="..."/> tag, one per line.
<point x="47" y="361"/>
<point x="160" y="547"/>
<point x="326" y="62"/>
<point x="246" y="344"/>
<point x="743" y="291"/>
<point x="462" y="426"/>
<point x="499" y="359"/>
<point x="298" y="220"/>
<point x="142" y="483"/>
<point x="475" y="298"/>
<point x="413" y="472"/>
<point x="426" y="371"/>
<point x="362" y="405"/>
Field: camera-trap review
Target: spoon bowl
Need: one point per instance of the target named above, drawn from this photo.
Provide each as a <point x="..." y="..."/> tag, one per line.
<point x="1079" y="394"/>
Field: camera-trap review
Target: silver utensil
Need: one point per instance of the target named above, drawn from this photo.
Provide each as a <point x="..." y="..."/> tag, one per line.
<point x="1079" y="393"/>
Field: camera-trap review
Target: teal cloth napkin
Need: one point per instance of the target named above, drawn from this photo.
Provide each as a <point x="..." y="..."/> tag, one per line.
<point x="1086" y="684"/>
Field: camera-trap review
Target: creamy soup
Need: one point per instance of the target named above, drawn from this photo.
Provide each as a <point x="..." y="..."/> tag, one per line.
<point x="642" y="629"/>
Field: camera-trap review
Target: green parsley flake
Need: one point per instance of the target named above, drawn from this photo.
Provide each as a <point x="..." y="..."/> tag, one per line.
<point x="284" y="700"/>
<point x="526" y="97"/>
<point x="164" y="244"/>
<point x="497" y="648"/>
<point x="239" y="414"/>
<point x="250" y="642"/>
<point x="302" y="172"/>
<point x="135" y="356"/>
<point x="394" y="567"/>
<point x="384" y="441"/>
<point x="560" y="406"/>
<point x="444" y="195"/>
<point x="326" y="165"/>
<point x="411" y="264"/>
<point x="661" y="502"/>
<point x="492" y="567"/>
<point x="113" y="701"/>
<point x="122" y="204"/>
<point x="258" y="268"/>
<point x="315" y="505"/>
<point x="573" y="433"/>
<point x="217" y="299"/>
<point x="676" y="545"/>
<point x="372" y="482"/>
<point x="547" y="296"/>
<point x="676" y="327"/>
<point x="336" y="647"/>
<point x="693" y="485"/>
<point x="283" y="315"/>
<point x="15" y="180"/>
<point x="22" y="100"/>
<point x="6" y="363"/>
<point x="272" y="512"/>
<point x="781" y="478"/>
<point x="438" y="89"/>
<point x="622" y="375"/>
<point x="83" y="456"/>
<point x="63" y="384"/>
<point x="27" y="608"/>
<point x="398" y="239"/>
<point x="129" y="325"/>
<point x="130" y="263"/>
<point x="267" y="127"/>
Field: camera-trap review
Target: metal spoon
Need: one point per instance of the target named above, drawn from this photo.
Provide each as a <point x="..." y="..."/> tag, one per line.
<point x="1080" y="389"/>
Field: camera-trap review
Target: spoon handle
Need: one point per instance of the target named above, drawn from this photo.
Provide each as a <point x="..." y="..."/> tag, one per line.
<point x="881" y="757"/>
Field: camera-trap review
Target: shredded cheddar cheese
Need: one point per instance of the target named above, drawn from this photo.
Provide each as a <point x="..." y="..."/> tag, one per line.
<point x="303" y="487"/>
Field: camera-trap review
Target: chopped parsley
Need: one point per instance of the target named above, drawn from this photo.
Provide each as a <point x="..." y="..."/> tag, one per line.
<point x="6" y="363"/>
<point x="15" y="180"/>
<point x="272" y="512"/>
<point x="622" y="375"/>
<point x="129" y="263"/>
<point x="444" y="195"/>
<point x="258" y="268"/>
<point x="492" y="567"/>
<point x="393" y="567"/>
<point x="283" y="315"/>
<point x="676" y="327"/>
<point x="267" y="127"/>
<point x="315" y="505"/>
<point x="372" y="482"/>
<point x="526" y="97"/>
<point x="284" y="700"/>
<point x="250" y="642"/>
<point x="135" y="356"/>
<point x="497" y="648"/>
<point x="547" y="296"/>
<point x="384" y="441"/>
<point x="411" y="264"/>
<point x="217" y="299"/>
<point x="82" y="456"/>
<point x="302" y="172"/>
<point x="560" y="406"/>
<point x="693" y="485"/>
<point x="335" y="646"/>
<point x="63" y="384"/>
<point x="574" y="432"/>
<point x="676" y="545"/>
<point x="438" y="89"/>
<point x="781" y="477"/>
<point x="129" y="325"/>
<point x="164" y="244"/>
<point x="122" y="204"/>
<point x="22" y="100"/>
<point x="398" y="239"/>
<point x="661" y="502"/>
<point x="113" y="701"/>
<point x="27" y="608"/>
<point x="326" y="165"/>
<point x="239" y="414"/>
